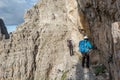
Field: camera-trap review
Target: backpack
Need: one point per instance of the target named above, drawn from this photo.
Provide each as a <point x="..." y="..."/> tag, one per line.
<point x="83" y="47"/>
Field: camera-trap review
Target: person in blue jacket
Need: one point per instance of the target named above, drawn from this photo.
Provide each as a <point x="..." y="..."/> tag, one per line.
<point x="85" y="47"/>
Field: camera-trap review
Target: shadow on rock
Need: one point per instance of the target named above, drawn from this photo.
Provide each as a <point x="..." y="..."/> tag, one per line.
<point x="83" y="73"/>
<point x="79" y="72"/>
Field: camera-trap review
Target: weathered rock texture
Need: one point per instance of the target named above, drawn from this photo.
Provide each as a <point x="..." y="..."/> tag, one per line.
<point x="37" y="50"/>
<point x="116" y="49"/>
<point x="3" y="31"/>
<point x="99" y="16"/>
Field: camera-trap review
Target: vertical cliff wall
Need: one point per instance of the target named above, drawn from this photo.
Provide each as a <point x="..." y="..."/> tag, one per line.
<point x="100" y="15"/>
<point x="116" y="49"/>
<point x="37" y="50"/>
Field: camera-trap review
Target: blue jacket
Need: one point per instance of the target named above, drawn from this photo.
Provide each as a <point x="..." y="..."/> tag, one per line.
<point x="89" y="45"/>
<point x="85" y="46"/>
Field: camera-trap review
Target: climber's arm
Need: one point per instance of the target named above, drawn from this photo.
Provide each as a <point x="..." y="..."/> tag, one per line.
<point x="89" y="45"/>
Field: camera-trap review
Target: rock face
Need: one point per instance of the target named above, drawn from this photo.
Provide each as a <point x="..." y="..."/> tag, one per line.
<point x="3" y="31"/>
<point x="116" y="49"/>
<point x="38" y="50"/>
<point x="99" y="16"/>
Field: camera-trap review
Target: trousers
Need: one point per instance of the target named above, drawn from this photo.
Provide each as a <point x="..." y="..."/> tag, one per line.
<point x="85" y="60"/>
<point x="71" y="51"/>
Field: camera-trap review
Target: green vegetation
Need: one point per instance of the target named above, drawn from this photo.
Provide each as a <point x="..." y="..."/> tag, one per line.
<point x="64" y="75"/>
<point x="80" y="58"/>
<point x="100" y="69"/>
<point x="55" y="78"/>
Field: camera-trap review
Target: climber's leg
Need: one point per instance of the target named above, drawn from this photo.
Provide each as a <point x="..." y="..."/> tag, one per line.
<point x="88" y="60"/>
<point x="83" y="61"/>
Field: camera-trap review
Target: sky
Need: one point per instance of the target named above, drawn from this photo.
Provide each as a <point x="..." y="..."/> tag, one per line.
<point x="12" y="12"/>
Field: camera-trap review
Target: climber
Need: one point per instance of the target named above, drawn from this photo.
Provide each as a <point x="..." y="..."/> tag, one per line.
<point x="85" y="48"/>
<point x="70" y="46"/>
